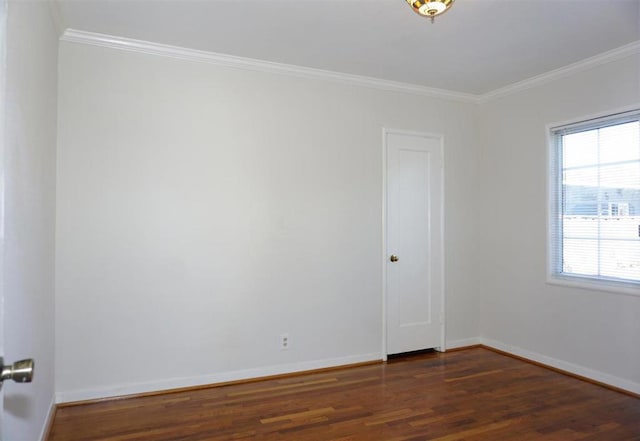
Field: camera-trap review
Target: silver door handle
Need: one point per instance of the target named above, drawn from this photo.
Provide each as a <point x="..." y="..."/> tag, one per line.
<point x="20" y="371"/>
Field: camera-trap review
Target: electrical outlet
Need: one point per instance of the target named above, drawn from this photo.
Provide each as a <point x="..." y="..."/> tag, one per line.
<point x="284" y="342"/>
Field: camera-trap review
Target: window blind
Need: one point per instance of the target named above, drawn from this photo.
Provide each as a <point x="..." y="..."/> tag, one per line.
<point x="595" y="194"/>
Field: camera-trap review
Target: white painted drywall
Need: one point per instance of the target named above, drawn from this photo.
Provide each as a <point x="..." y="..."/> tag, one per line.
<point x="595" y="331"/>
<point x="202" y="211"/>
<point x="29" y="214"/>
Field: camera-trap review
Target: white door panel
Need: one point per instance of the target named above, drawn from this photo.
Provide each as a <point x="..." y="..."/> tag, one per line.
<point x="414" y="235"/>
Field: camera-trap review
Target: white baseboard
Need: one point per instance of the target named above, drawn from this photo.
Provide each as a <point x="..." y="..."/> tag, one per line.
<point x="203" y="380"/>
<point x="453" y="344"/>
<point x="48" y="421"/>
<point x="173" y="383"/>
<point x="582" y="371"/>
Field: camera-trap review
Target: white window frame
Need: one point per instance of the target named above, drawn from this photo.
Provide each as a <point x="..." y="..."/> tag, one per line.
<point x="555" y="277"/>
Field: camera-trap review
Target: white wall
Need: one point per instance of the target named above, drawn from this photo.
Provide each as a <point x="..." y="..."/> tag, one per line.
<point x="590" y="332"/>
<point x="202" y="211"/>
<point x="29" y="192"/>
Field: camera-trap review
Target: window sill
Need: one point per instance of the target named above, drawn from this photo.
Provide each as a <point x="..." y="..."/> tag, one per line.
<point x="630" y="289"/>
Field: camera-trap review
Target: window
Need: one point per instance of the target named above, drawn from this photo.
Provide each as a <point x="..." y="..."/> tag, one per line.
<point x="595" y="202"/>
<point x="618" y="209"/>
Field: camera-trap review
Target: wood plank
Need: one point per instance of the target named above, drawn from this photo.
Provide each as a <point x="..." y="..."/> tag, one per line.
<point x="299" y="415"/>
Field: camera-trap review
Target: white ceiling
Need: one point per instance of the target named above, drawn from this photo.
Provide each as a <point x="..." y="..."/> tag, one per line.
<point x="477" y="47"/>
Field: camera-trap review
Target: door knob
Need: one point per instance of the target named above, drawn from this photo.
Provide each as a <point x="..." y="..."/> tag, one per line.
<point x="393" y="258"/>
<point x="20" y="371"/>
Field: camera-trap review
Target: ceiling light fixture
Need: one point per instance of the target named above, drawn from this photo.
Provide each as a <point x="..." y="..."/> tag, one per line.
<point x="430" y="8"/>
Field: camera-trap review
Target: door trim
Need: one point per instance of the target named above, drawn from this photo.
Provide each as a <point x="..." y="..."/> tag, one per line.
<point x="4" y="5"/>
<point x="440" y="138"/>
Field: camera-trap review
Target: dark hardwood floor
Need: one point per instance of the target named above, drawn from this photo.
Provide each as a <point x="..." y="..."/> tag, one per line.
<point x="473" y="394"/>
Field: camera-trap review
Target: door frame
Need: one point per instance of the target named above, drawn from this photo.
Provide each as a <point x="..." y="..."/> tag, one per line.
<point x="440" y="138"/>
<point x="4" y="6"/>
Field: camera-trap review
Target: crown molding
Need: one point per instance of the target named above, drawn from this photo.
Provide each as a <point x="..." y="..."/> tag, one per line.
<point x="195" y="55"/>
<point x="580" y="66"/>
<point x="150" y="48"/>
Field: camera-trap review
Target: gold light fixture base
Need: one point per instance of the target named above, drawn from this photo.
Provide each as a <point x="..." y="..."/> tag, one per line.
<point x="430" y="8"/>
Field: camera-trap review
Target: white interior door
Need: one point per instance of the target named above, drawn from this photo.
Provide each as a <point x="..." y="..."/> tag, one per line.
<point x="414" y="235"/>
